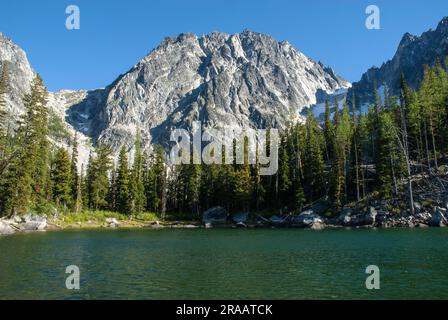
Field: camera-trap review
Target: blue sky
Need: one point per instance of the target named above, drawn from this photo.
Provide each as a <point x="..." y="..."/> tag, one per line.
<point x="114" y="35"/>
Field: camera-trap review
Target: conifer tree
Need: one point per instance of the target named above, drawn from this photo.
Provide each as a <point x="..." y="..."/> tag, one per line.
<point x="61" y="177"/>
<point x="97" y="179"/>
<point x="75" y="177"/>
<point x="427" y="101"/>
<point x="156" y="182"/>
<point x="284" y="174"/>
<point x="112" y="193"/>
<point x="191" y="183"/>
<point x="137" y="183"/>
<point x="258" y="188"/>
<point x="342" y="138"/>
<point x="122" y="183"/>
<point x="150" y="185"/>
<point x="357" y="150"/>
<point x="243" y="182"/>
<point x="314" y="160"/>
<point x="405" y="102"/>
<point x="26" y="180"/>
<point x="328" y="132"/>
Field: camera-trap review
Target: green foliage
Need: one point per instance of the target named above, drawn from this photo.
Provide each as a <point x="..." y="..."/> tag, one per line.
<point x="26" y="179"/>
<point x="122" y="184"/>
<point x="57" y="129"/>
<point x="97" y="178"/>
<point x="344" y="159"/>
<point x="137" y="186"/>
<point x="61" y="177"/>
<point x="156" y="181"/>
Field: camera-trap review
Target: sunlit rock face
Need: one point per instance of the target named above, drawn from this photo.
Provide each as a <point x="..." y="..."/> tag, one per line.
<point x="246" y="80"/>
<point x="20" y="73"/>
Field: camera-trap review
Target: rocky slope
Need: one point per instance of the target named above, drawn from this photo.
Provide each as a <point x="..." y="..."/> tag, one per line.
<point x="20" y="72"/>
<point x="243" y="80"/>
<point x="21" y="75"/>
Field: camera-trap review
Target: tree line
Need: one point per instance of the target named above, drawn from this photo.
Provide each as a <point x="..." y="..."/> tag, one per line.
<point x="351" y="154"/>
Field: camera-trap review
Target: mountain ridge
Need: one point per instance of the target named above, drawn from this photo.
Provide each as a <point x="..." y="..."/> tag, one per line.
<point x="215" y="78"/>
<point x="413" y="52"/>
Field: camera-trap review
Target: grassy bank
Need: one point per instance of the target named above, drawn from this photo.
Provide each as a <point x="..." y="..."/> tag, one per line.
<point x="99" y="219"/>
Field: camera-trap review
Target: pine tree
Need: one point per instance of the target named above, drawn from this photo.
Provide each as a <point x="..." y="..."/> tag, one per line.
<point x="137" y="183"/>
<point x="156" y="182"/>
<point x="37" y="101"/>
<point x="151" y="196"/>
<point x="243" y="182"/>
<point x="259" y="191"/>
<point x="342" y="138"/>
<point x="284" y="174"/>
<point x="314" y="160"/>
<point x="389" y="164"/>
<point x="357" y="149"/>
<point x="112" y="193"/>
<point x="61" y="178"/>
<point x="75" y="177"/>
<point x="405" y="102"/>
<point x="97" y="178"/>
<point x="88" y="183"/>
<point x="328" y="132"/>
<point x="189" y="181"/>
<point x="26" y="180"/>
<point x="427" y="101"/>
<point x="123" y="183"/>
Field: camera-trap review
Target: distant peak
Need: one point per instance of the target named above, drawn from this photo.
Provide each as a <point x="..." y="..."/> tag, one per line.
<point x="179" y="38"/>
<point x="443" y="25"/>
<point x="250" y="32"/>
<point x="3" y="36"/>
<point x="407" y="38"/>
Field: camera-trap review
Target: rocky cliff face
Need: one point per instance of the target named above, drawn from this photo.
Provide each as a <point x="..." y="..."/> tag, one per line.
<point x="20" y="72"/>
<point x="412" y="54"/>
<point x="21" y="76"/>
<point x="243" y="80"/>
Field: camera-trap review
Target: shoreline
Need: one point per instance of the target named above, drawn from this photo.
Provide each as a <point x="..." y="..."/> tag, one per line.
<point x="372" y="217"/>
<point x="186" y="225"/>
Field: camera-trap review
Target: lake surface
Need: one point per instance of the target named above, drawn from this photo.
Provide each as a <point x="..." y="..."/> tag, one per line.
<point x="226" y="264"/>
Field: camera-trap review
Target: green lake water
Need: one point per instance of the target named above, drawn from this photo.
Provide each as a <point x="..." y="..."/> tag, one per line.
<point x="226" y="264"/>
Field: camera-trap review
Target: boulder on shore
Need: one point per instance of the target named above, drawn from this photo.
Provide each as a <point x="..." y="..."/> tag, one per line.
<point x="112" y="223"/>
<point x="308" y="219"/>
<point x="370" y="217"/>
<point x="438" y="219"/>
<point x="33" y="223"/>
<point x="279" y="220"/>
<point x="345" y="217"/>
<point x="215" y="215"/>
<point x="240" y="217"/>
<point x="5" y="228"/>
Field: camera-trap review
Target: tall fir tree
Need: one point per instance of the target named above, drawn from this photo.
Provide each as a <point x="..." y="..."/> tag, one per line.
<point x="97" y="178"/>
<point x="122" y="183"/>
<point x="26" y="181"/>
<point x="75" y="177"/>
<point x="314" y="160"/>
<point x="137" y="183"/>
<point x="61" y="177"/>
